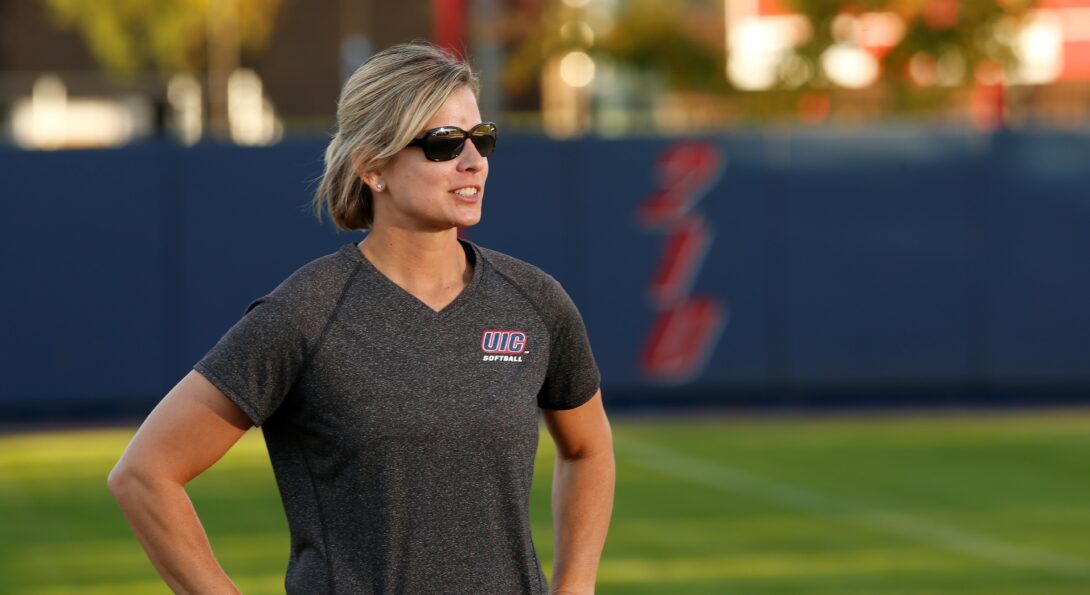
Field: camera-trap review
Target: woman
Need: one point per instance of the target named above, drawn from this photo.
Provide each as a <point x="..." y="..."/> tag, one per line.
<point x="397" y="381"/>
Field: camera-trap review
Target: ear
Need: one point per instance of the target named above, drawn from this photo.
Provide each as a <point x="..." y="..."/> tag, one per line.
<point x="373" y="179"/>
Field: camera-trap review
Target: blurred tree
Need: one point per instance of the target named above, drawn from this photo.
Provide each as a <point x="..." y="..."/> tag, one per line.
<point x="127" y="36"/>
<point x="931" y="25"/>
<point x="647" y="35"/>
<point x="943" y="43"/>
<point x="947" y="40"/>
<point x="652" y="36"/>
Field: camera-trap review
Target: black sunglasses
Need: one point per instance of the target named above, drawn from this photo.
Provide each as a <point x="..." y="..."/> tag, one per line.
<point x="446" y="142"/>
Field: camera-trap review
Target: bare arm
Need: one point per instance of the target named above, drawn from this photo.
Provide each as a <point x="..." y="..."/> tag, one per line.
<point x="582" y="493"/>
<point x="193" y="426"/>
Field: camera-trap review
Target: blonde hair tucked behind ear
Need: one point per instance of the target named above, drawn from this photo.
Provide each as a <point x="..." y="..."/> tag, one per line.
<point x="383" y="105"/>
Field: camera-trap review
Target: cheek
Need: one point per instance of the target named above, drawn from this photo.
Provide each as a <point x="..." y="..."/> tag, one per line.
<point x="427" y="188"/>
<point x="422" y="181"/>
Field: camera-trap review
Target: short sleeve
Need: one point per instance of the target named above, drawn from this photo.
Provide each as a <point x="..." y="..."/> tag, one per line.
<point x="572" y="377"/>
<point x="255" y="364"/>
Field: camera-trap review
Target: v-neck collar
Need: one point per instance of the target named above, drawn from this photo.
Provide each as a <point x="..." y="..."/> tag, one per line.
<point x="352" y="251"/>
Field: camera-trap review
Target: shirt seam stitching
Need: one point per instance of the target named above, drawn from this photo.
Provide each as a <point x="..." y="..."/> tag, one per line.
<point x="325" y="327"/>
<point x="302" y="451"/>
<point x="526" y="296"/>
<point x="533" y="304"/>
<point x="321" y="517"/>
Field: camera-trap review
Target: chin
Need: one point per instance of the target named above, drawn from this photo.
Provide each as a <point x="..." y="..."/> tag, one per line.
<point x="469" y="221"/>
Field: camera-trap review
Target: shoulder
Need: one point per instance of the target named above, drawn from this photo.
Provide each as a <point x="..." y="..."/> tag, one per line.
<point x="525" y="276"/>
<point x="317" y="283"/>
<point x="538" y="287"/>
<point x="519" y="271"/>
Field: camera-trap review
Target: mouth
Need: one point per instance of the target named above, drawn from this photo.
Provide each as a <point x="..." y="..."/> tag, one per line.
<point x="467" y="193"/>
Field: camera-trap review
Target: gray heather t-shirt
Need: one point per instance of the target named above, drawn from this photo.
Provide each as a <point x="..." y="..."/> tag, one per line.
<point x="403" y="439"/>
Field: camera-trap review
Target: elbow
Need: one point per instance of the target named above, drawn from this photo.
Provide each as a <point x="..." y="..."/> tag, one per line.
<point x="600" y="453"/>
<point x="598" y="446"/>
<point x="119" y="481"/>
<point x="132" y="484"/>
<point x="126" y="483"/>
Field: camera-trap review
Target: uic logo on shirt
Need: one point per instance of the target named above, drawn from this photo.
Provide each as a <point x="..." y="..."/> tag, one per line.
<point x="503" y="346"/>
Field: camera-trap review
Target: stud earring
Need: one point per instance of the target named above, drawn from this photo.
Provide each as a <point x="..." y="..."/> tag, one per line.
<point x="379" y="186"/>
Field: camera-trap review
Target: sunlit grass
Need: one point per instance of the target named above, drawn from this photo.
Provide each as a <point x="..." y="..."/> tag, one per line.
<point x="1015" y="483"/>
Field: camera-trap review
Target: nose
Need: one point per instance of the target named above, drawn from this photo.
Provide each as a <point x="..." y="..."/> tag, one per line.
<point x="470" y="159"/>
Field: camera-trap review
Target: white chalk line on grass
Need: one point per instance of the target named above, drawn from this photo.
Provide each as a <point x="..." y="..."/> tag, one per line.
<point x="737" y="481"/>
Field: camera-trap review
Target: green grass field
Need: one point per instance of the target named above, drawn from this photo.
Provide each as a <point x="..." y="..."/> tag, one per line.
<point x="968" y="504"/>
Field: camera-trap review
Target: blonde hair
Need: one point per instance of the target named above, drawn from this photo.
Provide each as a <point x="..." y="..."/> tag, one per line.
<point x="383" y="105"/>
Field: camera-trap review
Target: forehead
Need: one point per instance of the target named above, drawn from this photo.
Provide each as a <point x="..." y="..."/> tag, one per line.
<point x="460" y="109"/>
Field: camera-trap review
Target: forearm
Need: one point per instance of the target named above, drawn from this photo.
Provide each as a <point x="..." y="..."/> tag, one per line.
<point x="165" y="522"/>
<point x="582" y="504"/>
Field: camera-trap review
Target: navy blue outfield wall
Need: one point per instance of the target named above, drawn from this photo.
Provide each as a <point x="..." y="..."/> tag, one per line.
<point x="750" y="269"/>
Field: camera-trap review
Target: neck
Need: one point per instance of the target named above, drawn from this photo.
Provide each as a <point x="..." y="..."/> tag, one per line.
<point x="418" y="260"/>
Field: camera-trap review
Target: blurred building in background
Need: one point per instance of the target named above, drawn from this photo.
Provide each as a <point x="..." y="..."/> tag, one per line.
<point x="83" y="74"/>
<point x="80" y="74"/>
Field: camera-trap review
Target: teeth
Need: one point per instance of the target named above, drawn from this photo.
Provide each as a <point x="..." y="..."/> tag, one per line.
<point x="466" y="191"/>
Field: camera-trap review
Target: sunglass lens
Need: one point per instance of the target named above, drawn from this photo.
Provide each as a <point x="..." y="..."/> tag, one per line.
<point x="484" y="138"/>
<point x="444" y="144"/>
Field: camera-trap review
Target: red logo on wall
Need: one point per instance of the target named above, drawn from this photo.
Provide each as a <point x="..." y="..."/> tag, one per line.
<point x="687" y="328"/>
